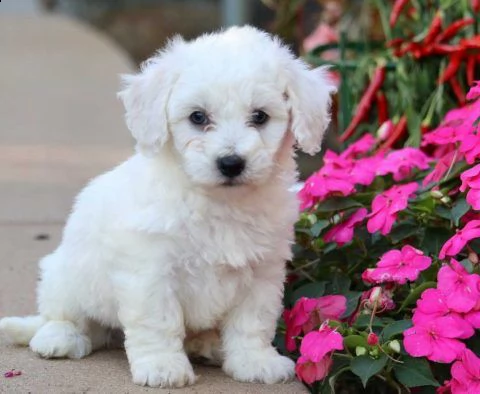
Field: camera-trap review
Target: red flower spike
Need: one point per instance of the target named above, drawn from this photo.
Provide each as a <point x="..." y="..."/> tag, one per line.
<point x="434" y="29"/>
<point x="397" y="9"/>
<point x="365" y="103"/>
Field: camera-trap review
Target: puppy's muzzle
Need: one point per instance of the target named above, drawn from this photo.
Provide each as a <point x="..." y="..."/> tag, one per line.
<point x="231" y="166"/>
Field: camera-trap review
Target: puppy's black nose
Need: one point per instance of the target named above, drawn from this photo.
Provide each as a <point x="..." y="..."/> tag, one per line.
<point x="231" y="166"/>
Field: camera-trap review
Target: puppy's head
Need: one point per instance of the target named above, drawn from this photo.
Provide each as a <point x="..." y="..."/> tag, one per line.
<point x="227" y="103"/>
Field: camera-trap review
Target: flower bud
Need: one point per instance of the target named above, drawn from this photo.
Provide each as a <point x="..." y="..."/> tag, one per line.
<point x="385" y="130"/>
<point x="436" y="194"/>
<point x="394" y="346"/>
<point x="446" y="200"/>
<point x="360" y="351"/>
<point x="375" y="295"/>
<point x="372" y="339"/>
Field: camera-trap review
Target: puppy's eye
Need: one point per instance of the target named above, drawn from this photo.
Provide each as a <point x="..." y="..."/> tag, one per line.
<point x="259" y="117"/>
<point x="199" y="118"/>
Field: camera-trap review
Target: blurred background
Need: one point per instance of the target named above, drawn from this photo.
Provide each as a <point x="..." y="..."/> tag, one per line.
<point x="141" y="26"/>
<point x="407" y="60"/>
<point x="55" y="33"/>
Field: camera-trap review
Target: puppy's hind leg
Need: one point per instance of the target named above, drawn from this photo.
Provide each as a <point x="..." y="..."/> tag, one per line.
<point x="61" y="338"/>
<point x="65" y="332"/>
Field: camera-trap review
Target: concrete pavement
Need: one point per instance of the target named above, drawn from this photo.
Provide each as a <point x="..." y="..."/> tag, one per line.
<point x="61" y="124"/>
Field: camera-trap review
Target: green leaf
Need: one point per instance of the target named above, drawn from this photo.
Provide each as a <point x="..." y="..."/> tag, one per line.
<point x="364" y="321"/>
<point x="317" y="228"/>
<point x="416" y="293"/>
<point x="434" y="239"/>
<point x="402" y="231"/>
<point x="337" y="204"/>
<point x="340" y="284"/>
<point x="352" y="302"/>
<point x="395" y="328"/>
<point x="414" y="372"/>
<point x="352" y="341"/>
<point x="467" y="264"/>
<point x="459" y="209"/>
<point x="443" y="212"/>
<point x="365" y="367"/>
<point x="310" y="290"/>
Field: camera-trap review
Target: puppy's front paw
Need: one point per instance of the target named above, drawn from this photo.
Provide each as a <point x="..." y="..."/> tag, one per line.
<point x="163" y="370"/>
<point x="262" y="366"/>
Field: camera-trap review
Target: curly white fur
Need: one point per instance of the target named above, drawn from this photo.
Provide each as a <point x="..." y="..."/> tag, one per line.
<point x="161" y="246"/>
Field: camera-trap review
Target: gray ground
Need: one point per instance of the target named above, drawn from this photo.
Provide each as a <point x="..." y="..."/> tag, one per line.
<point x="60" y="124"/>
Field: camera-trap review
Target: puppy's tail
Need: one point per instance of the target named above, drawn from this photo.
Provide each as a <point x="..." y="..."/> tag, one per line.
<point x="20" y="330"/>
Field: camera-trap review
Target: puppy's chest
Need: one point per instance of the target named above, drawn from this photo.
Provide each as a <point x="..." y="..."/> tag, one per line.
<point x="235" y="243"/>
<point x="207" y="294"/>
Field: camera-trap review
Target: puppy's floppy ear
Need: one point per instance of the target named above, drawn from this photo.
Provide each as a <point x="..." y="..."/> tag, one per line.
<point x="145" y="96"/>
<point x="309" y="95"/>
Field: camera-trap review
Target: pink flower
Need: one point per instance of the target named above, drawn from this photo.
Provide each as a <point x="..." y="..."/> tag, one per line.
<point x="386" y="205"/>
<point x="324" y="183"/>
<point x="457" y="124"/>
<point x="455" y="244"/>
<point x="442" y="166"/>
<point x="361" y="146"/>
<point x="449" y="132"/>
<point x="398" y="266"/>
<point x="471" y="179"/>
<point x="435" y="340"/>
<point x="361" y="171"/>
<point x="317" y="344"/>
<point x="308" y="313"/>
<point x="461" y="289"/>
<point x="433" y="305"/>
<point x="309" y="371"/>
<point x="342" y="233"/>
<point x="474" y="91"/>
<point x="470" y="147"/>
<point x="315" y="354"/>
<point x="466" y="374"/>
<point x="445" y="389"/>
<point x="473" y="316"/>
<point x="401" y="162"/>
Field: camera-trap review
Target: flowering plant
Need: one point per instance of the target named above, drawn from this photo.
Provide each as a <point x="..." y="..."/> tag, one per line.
<point x="383" y="294"/>
<point x="384" y="289"/>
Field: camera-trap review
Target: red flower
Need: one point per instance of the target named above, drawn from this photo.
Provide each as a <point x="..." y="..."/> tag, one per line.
<point x="309" y="371"/>
<point x="315" y="354"/>
<point x="309" y="313"/>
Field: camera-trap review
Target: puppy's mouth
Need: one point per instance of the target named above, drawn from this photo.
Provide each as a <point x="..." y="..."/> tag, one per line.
<point x="232" y="183"/>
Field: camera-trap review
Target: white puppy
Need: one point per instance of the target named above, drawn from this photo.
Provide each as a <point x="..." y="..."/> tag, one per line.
<point x="188" y="238"/>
